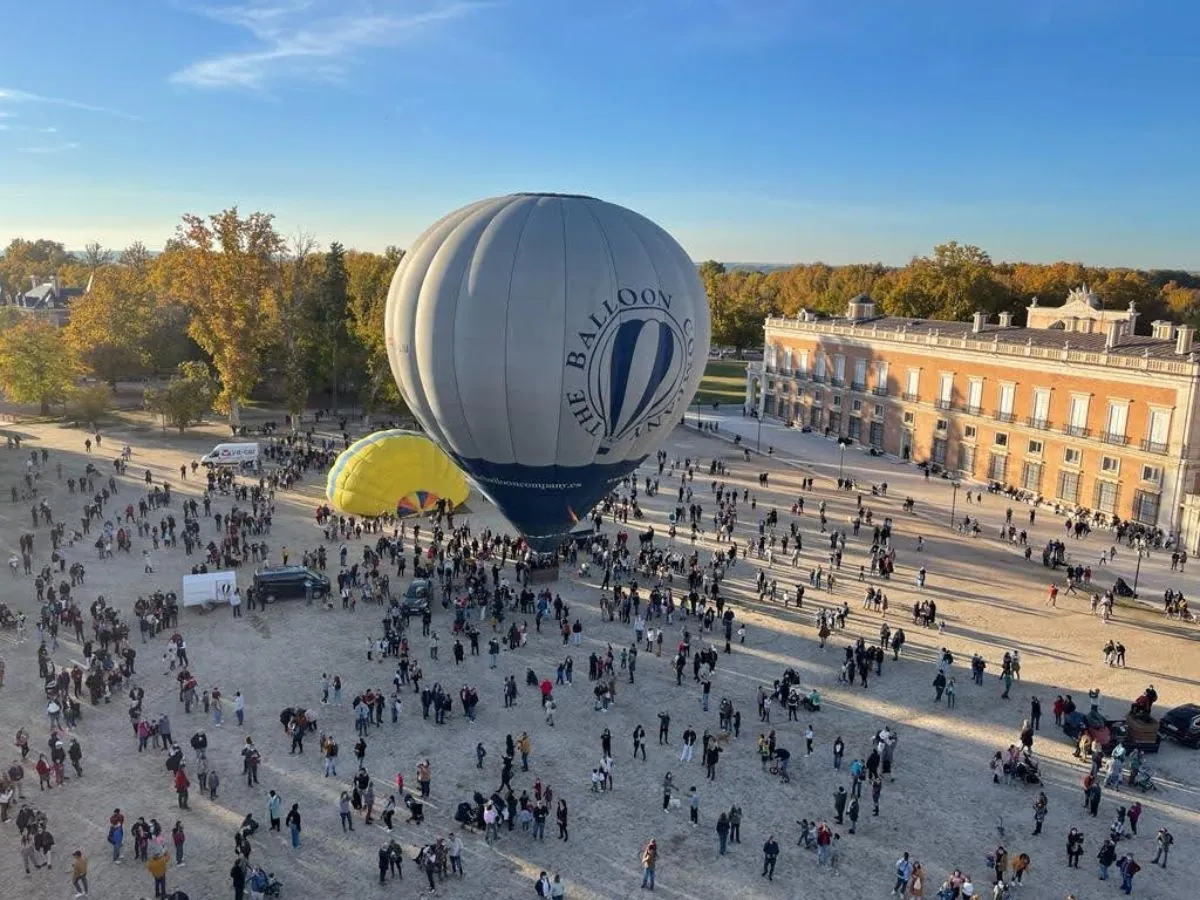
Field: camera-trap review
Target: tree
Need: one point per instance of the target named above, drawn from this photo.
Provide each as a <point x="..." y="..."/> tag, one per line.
<point x="299" y="274"/>
<point x="332" y="310"/>
<point x="89" y="403"/>
<point x="225" y="269"/>
<point x="95" y="256"/>
<point x="35" y="366"/>
<point x="369" y="276"/>
<point x="22" y="259"/>
<point x="111" y="325"/>
<point x="136" y="257"/>
<point x="185" y="398"/>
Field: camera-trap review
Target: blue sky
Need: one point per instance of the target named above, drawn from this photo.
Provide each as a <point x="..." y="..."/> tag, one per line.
<point x="764" y="130"/>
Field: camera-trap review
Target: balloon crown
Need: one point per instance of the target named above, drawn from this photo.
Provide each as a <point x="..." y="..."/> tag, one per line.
<point x="552" y="194"/>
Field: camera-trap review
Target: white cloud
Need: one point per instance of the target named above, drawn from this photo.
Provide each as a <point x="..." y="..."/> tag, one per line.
<point x="313" y="39"/>
<point x="14" y="96"/>
<point x="51" y="148"/>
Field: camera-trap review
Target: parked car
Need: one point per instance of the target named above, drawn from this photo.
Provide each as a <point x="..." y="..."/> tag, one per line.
<point x="416" y="597"/>
<point x="1182" y="724"/>
<point x="289" y="582"/>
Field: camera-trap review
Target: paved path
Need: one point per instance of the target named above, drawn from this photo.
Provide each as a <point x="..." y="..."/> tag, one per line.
<point x="935" y="498"/>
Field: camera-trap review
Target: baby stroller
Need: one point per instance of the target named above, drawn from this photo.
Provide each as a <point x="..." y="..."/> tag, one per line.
<point x="1145" y="780"/>
<point x="416" y="809"/>
<point x="264" y="883"/>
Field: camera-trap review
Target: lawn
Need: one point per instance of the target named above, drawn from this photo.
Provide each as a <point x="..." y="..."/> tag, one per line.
<point x="724" y="382"/>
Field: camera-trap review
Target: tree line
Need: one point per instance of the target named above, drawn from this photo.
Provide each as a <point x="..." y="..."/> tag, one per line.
<point x="952" y="283"/>
<point x="229" y="308"/>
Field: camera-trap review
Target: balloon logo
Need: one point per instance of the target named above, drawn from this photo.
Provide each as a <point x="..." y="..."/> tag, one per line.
<point x="548" y="344"/>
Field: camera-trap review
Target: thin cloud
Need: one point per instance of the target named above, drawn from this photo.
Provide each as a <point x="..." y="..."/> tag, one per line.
<point x="12" y="95"/>
<point x="51" y="148"/>
<point x="310" y="39"/>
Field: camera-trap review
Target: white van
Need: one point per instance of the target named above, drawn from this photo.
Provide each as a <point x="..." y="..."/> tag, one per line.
<point x="230" y="455"/>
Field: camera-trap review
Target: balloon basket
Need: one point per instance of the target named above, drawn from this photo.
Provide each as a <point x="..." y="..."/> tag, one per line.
<point x="544" y="574"/>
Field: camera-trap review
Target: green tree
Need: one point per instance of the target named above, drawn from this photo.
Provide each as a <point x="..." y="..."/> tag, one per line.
<point x="35" y="365"/>
<point x="89" y="403"/>
<point x="185" y="399"/>
<point x="369" y="276"/>
<point x="225" y="269"/>
<point x="332" y="310"/>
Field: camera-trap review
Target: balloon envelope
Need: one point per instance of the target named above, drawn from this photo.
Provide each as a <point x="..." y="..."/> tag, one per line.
<point x="548" y="343"/>
<point x="394" y="471"/>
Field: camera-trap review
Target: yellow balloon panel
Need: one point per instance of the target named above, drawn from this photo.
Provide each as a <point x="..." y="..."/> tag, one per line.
<point x="392" y="471"/>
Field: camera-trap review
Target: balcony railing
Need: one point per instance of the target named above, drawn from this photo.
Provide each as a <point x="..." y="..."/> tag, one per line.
<point x="1003" y="417"/>
<point x="817" y="379"/>
<point x="857" y="386"/>
<point x="944" y="404"/>
<point x="837" y="382"/>
<point x="1076" y="430"/>
<point x="880" y="390"/>
<point x="910" y="397"/>
<point x="1035" y="422"/>
<point x="1154" y="446"/>
<point x="973" y="409"/>
<point x="1109" y="437"/>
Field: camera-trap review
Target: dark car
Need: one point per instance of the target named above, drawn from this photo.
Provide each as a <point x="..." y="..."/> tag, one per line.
<point x="289" y="582"/>
<point x="1182" y="724"/>
<point x="416" y="597"/>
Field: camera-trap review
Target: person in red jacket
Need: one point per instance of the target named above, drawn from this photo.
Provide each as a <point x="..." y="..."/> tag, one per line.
<point x="181" y="786"/>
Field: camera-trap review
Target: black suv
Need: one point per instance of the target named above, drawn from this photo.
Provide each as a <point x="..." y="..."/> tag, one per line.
<point x="1182" y="724"/>
<point x="288" y="582"/>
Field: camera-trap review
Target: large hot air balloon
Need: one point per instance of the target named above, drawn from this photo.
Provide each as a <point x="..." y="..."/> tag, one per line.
<point x="548" y="343"/>
<point x="394" y="471"/>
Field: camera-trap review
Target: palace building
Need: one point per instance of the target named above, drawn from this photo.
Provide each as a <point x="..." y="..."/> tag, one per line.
<point x="1074" y="408"/>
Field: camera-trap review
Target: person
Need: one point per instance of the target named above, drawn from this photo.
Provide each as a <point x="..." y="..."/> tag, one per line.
<point x="293" y="823"/>
<point x="1128" y="867"/>
<point x="274" y="807"/>
<point x="542" y="885"/>
<point x="157" y="867"/>
<point x="79" y="870"/>
<point x="649" y="862"/>
<point x="770" y="855"/>
<point x="1164" y="839"/>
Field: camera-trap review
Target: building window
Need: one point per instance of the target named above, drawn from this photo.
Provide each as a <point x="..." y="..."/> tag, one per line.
<point x="837" y="401"/>
<point x="1040" y="417"/>
<point x="835" y="422"/>
<point x="814" y="417"/>
<point x="1110" y="465"/>
<point x="1072" y="457"/>
<point x="1118" y="421"/>
<point x="939" y="451"/>
<point x="911" y="392"/>
<point x="1077" y="425"/>
<point x="803" y="366"/>
<point x="1035" y="448"/>
<point x="818" y="397"/>
<point x="879" y="410"/>
<point x="1158" y="431"/>
<point x="1001" y="439"/>
<point x="1106" y="496"/>
<point x="856" y="405"/>
<point x="946" y="391"/>
<point x="1145" y="507"/>
<point x="909" y="418"/>
<point x="877" y="435"/>
<point x="854" y="428"/>
<point x="1068" y="487"/>
<point x="975" y="396"/>
<point x="1004" y="408"/>
<point x="860" y="374"/>
<point x="1153" y="474"/>
<point x="820" y="373"/>
<point x="942" y="425"/>
<point x="966" y="459"/>
<point x="997" y="467"/>
<point x="969" y="432"/>
<point x="839" y="369"/>
<point x="881" y="377"/>
<point x="1031" y="477"/>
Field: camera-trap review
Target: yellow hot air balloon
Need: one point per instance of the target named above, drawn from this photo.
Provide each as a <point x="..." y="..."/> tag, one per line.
<point x="394" y="471"/>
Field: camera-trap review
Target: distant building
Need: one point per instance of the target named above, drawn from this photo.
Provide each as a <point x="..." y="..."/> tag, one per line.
<point x="47" y="297"/>
<point x="1074" y="408"/>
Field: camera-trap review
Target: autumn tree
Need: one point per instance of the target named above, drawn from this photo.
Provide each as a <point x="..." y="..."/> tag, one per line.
<point x="35" y="365"/>
<point x="299" y="276"/>
<point x="88" y="403"/>
<point x="225" y="269"/>
<point x="185" y="399"/>
<point x="22" y="259"/>
<point x="136" y="257"/>
<point x="110" y="326"/>
<point x="369" y="276"/>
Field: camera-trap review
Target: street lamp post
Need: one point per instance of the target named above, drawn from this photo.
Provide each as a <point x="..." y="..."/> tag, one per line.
<point x="953" y="502"/>
<point x="1137" y="572"/>
<point x="758" y="434"/>
<point x="841" y="456"/>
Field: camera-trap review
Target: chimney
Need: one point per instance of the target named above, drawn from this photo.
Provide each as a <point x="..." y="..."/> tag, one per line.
<point x="1183" y="339"/>
<point x="1113" y="336"/>
<point x="1133" y="317"/>
<point x="33" y="282"/>
<point x="1162" y="330"/>
<point x="1006" y="320"/>
<point x="978" y="321"/>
